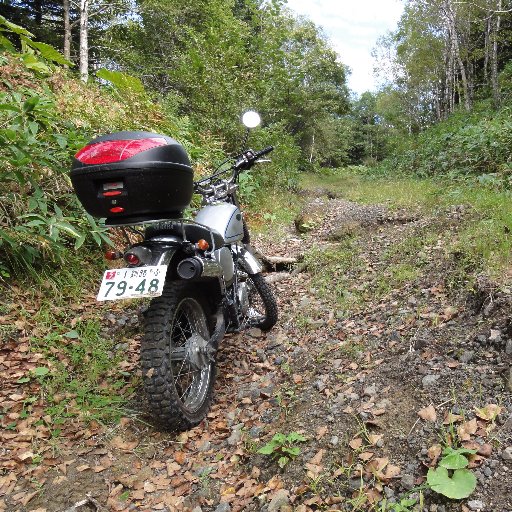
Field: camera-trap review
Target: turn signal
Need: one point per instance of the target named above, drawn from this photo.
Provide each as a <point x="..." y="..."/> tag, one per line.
<point x="203" y="245"/>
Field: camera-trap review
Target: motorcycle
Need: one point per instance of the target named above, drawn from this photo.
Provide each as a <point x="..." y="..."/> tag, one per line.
<point x="201" y="273"/>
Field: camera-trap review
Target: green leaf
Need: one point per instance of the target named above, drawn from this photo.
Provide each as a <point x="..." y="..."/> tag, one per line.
<point x="454" y="459"/>
<point x="459" y="486"/>
<point x="50" y="53"/>
<point x="30" y="104"/>
<point x="121" y="80"/>
<point x="32" y="62"/>
<point x="23" y="380"/>
<point x="6" y="44"/>
<point x="268" y="449"/>
<point x="15" y="28"/>
<point x="296" y="437"/>
<point x="282" y="461"/>
<point x="72" y="335"/>
<point x="293" y="451"/>
<point x="7" y="106"/>
<point x="41" y="371"/>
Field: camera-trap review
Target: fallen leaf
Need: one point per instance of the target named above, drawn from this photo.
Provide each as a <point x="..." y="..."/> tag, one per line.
<point x="356" y="443"/>
<point x="452" y="418"/>
<point x="366" y="456"/>
<point x="83" y="467"/>
<point x="392" y="471"/>
<point x="321" y="431"/>
<point x="317" y="458"/>
<point x="375" y="438"/>
<point x="127" y="446"/>
<point x="297" y="379"/>
<point x="180" y="457"/>
<point x="489" y="412"/>
<point x="467" y="429"/>
<point x="428" y="413"/>
<point x="434" y="452"/>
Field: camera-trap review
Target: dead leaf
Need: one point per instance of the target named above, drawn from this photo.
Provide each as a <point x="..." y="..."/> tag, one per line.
<point x="297" y="379"/>
<point x="392" y="471"/>
<point x="366" y="456"/>
<point x="356" y="443"/>
<point x="83" y="467"/>
<point x="452" y="418"/>
<point x="489" y="412"/>
<point x="317" y="458"/>
<point x="321" y="431"/>
<point x="180" y="457"/>
<point x="467" y="429"/>
<point x="434" y="452"/>
<point x="127" y="446"/>
<point x="428" y="413"/>
<point x="375" y="438"/>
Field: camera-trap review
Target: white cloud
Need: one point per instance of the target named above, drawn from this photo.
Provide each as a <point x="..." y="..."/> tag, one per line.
<point x="353" y="27"/>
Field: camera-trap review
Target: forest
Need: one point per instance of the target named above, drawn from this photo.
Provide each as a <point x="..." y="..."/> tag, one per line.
<point x="383" y="220"/>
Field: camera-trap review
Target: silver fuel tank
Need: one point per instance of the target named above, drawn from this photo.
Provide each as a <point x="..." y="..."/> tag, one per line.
<point x="224" y="218"/>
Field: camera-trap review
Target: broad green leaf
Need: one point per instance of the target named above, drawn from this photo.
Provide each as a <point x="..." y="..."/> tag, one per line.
<point x="454" y="461"/>
<point x="71" y="334"/>
<point x="457" y="487"/>
<point x="268" y="449"/>
<point x="50" y="53"/>
<point x="41" y="371"/>
<point x="23" y="380"/>
<point x="454" y="458"/>
<point x="30" y="103"/>
<point x="293" y="451"/>
<point x="15" y="28"/>
<point x="5" y="43"/>
<point x="120" y="80"/>
<point x="32" y="62"/>
<point x="296" y="437"/>
<point x="7" y="106"/>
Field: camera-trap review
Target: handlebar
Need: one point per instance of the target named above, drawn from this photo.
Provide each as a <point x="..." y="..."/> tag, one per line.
<point x="242" y="162"/>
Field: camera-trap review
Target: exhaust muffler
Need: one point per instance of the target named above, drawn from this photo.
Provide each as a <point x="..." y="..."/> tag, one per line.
<point x="192" y="268"/>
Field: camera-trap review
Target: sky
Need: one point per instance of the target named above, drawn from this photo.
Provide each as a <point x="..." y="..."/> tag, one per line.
<point x="353" y="27"/>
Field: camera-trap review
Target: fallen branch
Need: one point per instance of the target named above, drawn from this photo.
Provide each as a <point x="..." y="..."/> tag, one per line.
<point x="276" y="260"/>
<point x="278" y="276"/>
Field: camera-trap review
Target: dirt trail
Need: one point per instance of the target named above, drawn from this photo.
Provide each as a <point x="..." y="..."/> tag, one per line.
<point x="350" y="376"/>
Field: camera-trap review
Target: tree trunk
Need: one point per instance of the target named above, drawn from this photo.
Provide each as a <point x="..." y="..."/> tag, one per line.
<point x="487" y="47"/>
<point x="84" y="40"/>
<point x="455" y="48"/>
<point x="67" y="30"/>
<point x="494" y="71"/>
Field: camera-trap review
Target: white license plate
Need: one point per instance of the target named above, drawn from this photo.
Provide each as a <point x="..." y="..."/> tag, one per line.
<point x="129" y="283"/>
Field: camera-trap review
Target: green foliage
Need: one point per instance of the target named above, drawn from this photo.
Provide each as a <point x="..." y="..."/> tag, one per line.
<point x="458" y="485"/>
<point x="120" y="80"/>
<point x="283" y="447"/>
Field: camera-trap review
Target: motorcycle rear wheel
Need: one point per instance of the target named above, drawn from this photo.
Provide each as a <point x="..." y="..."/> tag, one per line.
<point x="177" y="367"/>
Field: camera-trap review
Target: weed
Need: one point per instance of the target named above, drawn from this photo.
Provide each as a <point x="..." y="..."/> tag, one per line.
<point x="283" y="447"/>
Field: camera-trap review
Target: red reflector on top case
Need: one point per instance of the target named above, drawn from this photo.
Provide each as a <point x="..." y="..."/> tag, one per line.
<point x="111" y="151"/>
<point x="111" y="193"/>
<point x="117" y="209"/>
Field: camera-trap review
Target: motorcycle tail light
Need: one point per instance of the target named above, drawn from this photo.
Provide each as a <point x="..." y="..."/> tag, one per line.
<point x="131" y="259"/>
<point x="111" y="151"/>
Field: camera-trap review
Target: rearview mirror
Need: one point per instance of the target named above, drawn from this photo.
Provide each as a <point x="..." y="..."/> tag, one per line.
<point x="251" y="119"/>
